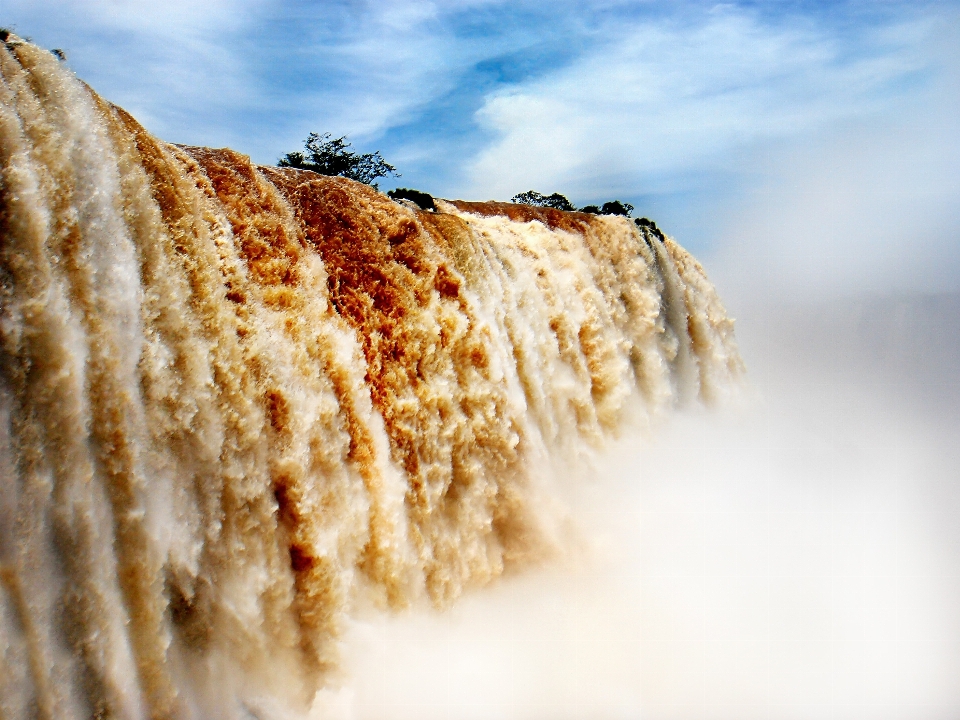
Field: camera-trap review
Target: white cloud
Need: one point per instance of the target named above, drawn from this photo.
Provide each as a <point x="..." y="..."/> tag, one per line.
<point x="868" y="206"/>
<point x="246" y="73"/>
<point x="664" y="98"/>
<point x="170" y="18"/>
<point x="391" y="60"/>
<point x="803" y="159"/>
<point x="165" y="62"/>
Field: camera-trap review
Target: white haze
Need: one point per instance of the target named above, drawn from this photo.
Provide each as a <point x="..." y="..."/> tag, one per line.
<point x="797" y="557"/>
<point x="863" y="206"/>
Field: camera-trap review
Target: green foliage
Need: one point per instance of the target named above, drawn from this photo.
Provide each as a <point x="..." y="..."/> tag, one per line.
<point x="332" y="156"/>
<point x="423" y="200"/>
<point x="650" y="226"/>
<point x="559" y="202"/>
<point x="532" y="197"/>
<point x="615" y="207"/>
<point x="4" y="34"/>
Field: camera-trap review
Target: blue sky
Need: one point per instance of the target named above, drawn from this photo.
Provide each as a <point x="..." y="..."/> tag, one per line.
<point x="737" y="126"/>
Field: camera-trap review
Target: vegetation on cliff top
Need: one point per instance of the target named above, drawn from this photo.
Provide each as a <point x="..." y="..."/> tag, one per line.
<point x="559" y="202"/>
<point x="328" y="155"/>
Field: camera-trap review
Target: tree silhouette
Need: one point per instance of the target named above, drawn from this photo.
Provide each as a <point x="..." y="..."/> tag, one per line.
<point x="532" y="197"/>
<point x="332" y="156"/>
<point x="559" y="202"/>
<point x="650" y="225"/>
<point x="423" y="200"/>
<point x="613" y="207"/>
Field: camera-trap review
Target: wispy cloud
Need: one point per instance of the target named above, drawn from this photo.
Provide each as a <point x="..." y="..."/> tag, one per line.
<point x="663" y="98"/>
<point x="259" y="74"/>
<point x="172" y="64"/>
<point x="870" y="205"/>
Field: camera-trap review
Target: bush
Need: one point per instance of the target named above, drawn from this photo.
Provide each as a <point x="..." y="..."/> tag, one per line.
<point x="615" y="207"/>
<point x="332" y="156"/>
<point x="532" y="197"/>
<point x="559" y="202"/>
<point x="649" y="225"/>
<point x="423" y="200"/>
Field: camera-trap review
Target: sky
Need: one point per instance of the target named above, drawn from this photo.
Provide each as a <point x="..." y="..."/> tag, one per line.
<point x="763" y="136"/>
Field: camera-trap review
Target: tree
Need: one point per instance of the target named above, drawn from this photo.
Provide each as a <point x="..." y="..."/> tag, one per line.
<point x="423" y="200"/>
<point x="613" y="207"/>
<point x="650" y="225"/>
<point x="559" y="202"/>
<point x="332" y="156"/>
<point x="532" y="197"/>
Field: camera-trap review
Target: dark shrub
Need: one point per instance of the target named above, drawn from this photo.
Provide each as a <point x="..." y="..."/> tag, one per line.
<point x="615" y="207"/>
<point x="422" y="199"/>
<point x="650" y="225"/>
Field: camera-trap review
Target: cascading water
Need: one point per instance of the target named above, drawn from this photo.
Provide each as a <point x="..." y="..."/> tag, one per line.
<point x="235" y="399"/>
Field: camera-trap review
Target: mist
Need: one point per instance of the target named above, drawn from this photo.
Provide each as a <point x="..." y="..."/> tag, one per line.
<point x="793" y="554"/>
<point x="792" y="557"/>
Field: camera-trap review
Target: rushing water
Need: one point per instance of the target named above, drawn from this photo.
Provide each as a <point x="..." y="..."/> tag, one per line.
<point x="236" y="400"/>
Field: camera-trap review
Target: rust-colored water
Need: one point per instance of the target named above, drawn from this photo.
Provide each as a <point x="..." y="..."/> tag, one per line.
<point x="236" y="400"/>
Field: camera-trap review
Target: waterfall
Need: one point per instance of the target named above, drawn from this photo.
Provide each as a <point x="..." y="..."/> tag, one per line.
<point x="235" y="399"/>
